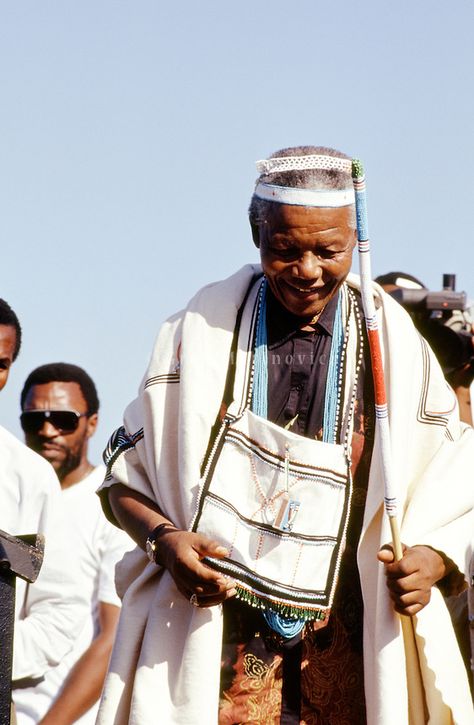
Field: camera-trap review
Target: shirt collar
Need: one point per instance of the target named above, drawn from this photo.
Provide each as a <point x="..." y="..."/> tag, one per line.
<point x="282" y="324"/>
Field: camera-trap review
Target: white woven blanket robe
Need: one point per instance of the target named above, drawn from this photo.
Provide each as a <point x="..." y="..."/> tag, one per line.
<point x="166" y="662"/>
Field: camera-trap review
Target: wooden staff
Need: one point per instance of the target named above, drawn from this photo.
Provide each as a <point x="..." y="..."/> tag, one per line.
<point x="416" y="697"/>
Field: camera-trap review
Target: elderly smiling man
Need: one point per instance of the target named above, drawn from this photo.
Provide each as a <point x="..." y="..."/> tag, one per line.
<point x="248" y="471"/>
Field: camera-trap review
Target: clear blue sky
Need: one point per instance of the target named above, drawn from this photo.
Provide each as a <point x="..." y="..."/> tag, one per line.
<point x="128" y="136"/>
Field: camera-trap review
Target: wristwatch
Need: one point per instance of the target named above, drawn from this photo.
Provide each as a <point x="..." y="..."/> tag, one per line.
<point x="151" y="544"/>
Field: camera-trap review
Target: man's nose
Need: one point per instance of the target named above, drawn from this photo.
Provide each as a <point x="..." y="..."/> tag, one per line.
<point x="308" y="267"/>
<point x="48" y="430"/>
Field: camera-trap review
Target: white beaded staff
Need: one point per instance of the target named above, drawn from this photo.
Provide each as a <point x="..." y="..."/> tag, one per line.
<point x="416" y="698"/>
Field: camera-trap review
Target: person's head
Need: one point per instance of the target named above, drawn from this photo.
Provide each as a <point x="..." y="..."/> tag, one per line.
<point x="59" y="406"/>
<point x="303" y="222"/>
<point x="10" y="340"/>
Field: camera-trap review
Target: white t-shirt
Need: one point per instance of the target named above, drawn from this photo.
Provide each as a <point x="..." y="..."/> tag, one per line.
<point x="100" y="546"/>
<point x="49" y="614"/>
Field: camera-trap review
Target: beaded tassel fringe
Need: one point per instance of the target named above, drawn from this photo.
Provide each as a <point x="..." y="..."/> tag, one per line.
<point x="284" y="610"/>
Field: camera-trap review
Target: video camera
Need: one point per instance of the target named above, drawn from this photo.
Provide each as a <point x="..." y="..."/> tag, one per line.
<point x="444" y="319"/>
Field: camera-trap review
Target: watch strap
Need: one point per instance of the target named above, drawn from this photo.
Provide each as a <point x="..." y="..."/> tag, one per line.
<point x="151" y="540"/>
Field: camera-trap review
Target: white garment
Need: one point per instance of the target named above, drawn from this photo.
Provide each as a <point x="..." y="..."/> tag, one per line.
<point x="100" y="545"/>
<point x="50" y="613"/>
<point x="166" y="656"/>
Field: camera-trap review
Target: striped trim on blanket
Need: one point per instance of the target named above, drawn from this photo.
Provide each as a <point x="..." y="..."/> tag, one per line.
<point x="119" y="442"/>
<point x="424" y="415"/>
<point x="166" y="378"/>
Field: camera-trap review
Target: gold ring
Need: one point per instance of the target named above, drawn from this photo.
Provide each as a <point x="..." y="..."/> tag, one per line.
<point x="194" y="600"/>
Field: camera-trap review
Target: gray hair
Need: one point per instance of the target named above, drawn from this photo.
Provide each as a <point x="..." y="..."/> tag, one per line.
<point x="320" y="179"/>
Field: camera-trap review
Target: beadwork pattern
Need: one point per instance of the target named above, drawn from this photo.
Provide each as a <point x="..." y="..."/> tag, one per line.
<point x="302" y="163"/>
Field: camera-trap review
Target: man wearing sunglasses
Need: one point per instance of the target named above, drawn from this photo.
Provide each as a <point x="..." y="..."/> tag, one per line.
<point x="50" y="613"/>
<point x="59" y="415"/>
<point x="58" y="418"/>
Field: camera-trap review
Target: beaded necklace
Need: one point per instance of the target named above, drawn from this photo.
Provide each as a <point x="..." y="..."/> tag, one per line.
<point x="260" y="367"/>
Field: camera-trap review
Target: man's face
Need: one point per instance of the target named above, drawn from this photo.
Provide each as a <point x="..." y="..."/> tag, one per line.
<point x="64" y="450"/>
<point x="306" y="254"/>
<point x="7" y="350"/>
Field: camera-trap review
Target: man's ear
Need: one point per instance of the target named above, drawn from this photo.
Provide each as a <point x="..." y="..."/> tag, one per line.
<point x="92" y="422"/>
<point x="255" y="234"/>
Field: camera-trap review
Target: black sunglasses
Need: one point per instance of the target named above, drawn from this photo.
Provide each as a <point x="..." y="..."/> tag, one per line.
<point x="65" y="421"/>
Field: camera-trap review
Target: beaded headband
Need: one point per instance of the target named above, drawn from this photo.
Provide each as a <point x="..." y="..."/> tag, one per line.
<point x="305" y="197"/>
<point x="302" y="163"/>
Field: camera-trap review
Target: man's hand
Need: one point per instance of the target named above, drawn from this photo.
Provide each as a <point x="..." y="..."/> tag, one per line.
<point x="410" y="580"/>
<point x="181" y="553"/>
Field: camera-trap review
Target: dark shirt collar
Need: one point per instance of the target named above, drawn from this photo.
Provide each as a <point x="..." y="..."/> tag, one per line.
<point x="282" y="324"/>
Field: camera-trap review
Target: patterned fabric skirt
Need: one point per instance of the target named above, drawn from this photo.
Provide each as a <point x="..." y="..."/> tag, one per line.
<point x="316" y="678"/>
